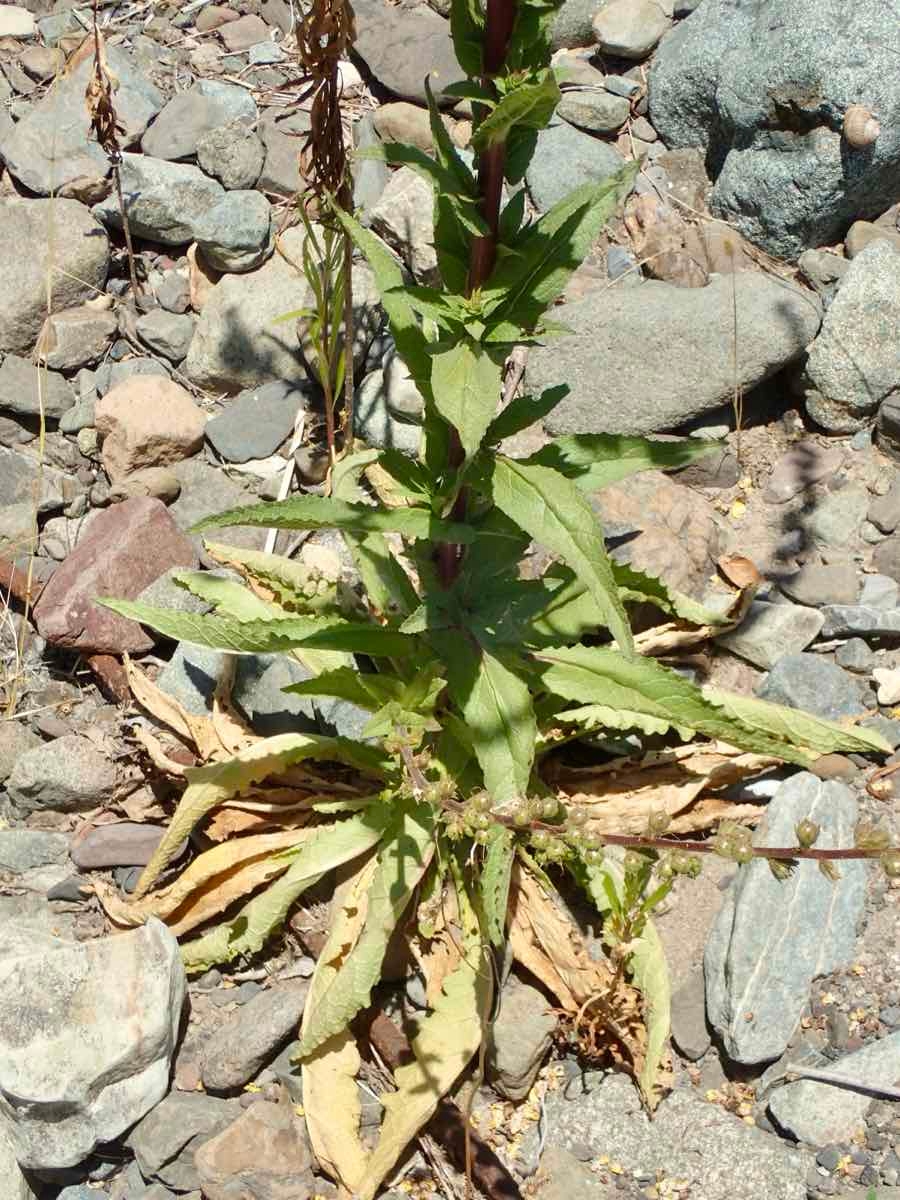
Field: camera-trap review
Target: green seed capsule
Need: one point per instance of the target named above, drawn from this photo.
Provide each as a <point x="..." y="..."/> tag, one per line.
<point x="890" y="861"/>
<point x="807" y="832"/>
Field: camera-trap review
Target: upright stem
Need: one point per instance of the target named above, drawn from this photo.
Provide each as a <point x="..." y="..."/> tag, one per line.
<point x="500" y="19"/>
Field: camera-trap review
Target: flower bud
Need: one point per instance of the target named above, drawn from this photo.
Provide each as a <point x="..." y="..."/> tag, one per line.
<point x="890" y="861"/>
<point x="871" y="837"/>
<point x="807" y="833"/>
<point x="658" y="823"/>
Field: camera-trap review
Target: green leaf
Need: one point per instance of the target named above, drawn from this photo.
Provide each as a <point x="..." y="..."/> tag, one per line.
<point x="595" y="460"/>
<point x="266" y="635"/>
<point x="412" y="345"/>
<point x="405" y="853"/>
<point x="467" y="30"/>
<point x="348" y="683"/>
<point x="493" y="887"/>
<point x="636" y="587"/>
<point x="496" y="706"/>
<point x="445" y="151"/>
<point x="602" y="716"/>
<point x="445" y="1043"/>
<point x="594" y="675"/>
<point x="553" y="511"/>
<point x="293" y="582"/>
<point x="215" y="783"/>
<point x="329" y="847"/>
<point x="465" y="381"/>
<point x="525" y="283"/>
<point x="531" y="104"/>
<point x="523" y="412"/>
<point x="227" y="596"/>
<point x="413" y="708"/>
<point x="324" y="512"/>
<point x="798" y="727"/>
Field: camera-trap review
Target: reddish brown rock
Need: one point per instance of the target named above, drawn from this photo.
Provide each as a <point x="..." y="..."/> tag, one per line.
<point x="127" y="548"/>
<point x="148" y="421"/>
<point x="263" y="1153"/>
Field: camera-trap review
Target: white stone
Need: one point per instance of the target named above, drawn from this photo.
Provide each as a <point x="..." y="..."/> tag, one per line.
<point x="888" y="681"/>
<point x="16" y="22"/>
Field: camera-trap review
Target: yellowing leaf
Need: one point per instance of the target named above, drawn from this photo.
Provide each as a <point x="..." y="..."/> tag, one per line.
<point x="447" y="1039"/>
<point x="331" y="1098"/>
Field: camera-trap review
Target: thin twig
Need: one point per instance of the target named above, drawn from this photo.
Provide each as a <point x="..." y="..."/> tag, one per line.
<point x="841" y="1081"/>
<point x="285" y="486"/>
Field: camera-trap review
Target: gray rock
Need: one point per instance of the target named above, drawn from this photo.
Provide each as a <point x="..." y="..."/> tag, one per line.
<point x="190" y="676"/>
<point x="238" y="343"/>
<point x="23" y="481"/>
<point x="622" y="85"/>
<point x="596" y="112"/>
<point x="233" y="154"/>
<point x="884" y="511"/>
<point x="819" y="1113"/>
<point x="252" y="1035"/>
<point x="687" y="1138"/>
<point x="762" y="87"/>
<point x="647" y="359"/>
<point x="165" y="1140"/>
<point x="859" y="620"/>
<point x="15" y="740"/>
<point x="630" y="28"/>
<point x="370" y="175"/>
<point x="280" y="175"/>
<point x="853" y="364"/>
<point x="180" y="126"/>
<point x="773" y="937"/>
<point x="13" y="1184"/>
<point x="258" y="684"/>
<point x="206" y="489"/>
<point x="68" y="775"/>
<point x="374" y="422"/>
<point x="83" y="1060"/>
<point x="824" y="270"/>
<point x="120" y="371"/>
<point x="805" y="464"/>
<point x="835" y="520"/>
<point x="165" y="593"/>
<point x="401" y="46"/>
<point x="810" y="682"/>
<point x="236" y="234"/>
<point x="690" y="1033"/>
<point x="118" y="844"/>
<point x="521" y="1035"/>
<point x="52" y="149"/>
<point x="24" y="388"/>
<point x="173" y="293"/>
<point x="862" y="234"/>
<point x="572" y="25"/>
<point x="167" y="201"/>
<point x="822" y="583"/>
<point x="24" y="849"/>
<point x="76" y="260"/>
<point x="256" y="422"/>
<point x="769" y="631"/>
<point x="76" y="337"/>
<point x="566" y="158"/>
<point x="403" y="218"/>
<point x="855" y="656"/>
<point x="886" y="557"/>
<point x="562" y="1175"/>
<point x="880" y="591"/>
<point x="169" y="334"/>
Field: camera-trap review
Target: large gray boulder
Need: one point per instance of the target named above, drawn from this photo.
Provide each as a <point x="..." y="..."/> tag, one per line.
<point x="58" y="238"/>
<point x="854" y="363"/>
<point x="646" y="359"/>
<point x="762" y="86"/>
<point x="52" y="149"/>
<point x="88" y="1031"/>
<point x="773" y="937"/>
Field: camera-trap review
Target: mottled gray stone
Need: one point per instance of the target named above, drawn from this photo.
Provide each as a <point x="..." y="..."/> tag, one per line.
<point x="854" y="363"/>
<point x="855" y="656"/>
<point x="181" y="1122"/>
<point x="812" y="683"/>
<point x="376" y="424"/>
<point x="25" y="387"/>
<point x="258" y="692"/>
<point x="762" y="86"/>
<point x="84" y="1060"/>
<point x="233" y="154"/>
<point x="236" y="233"/>
<point x="566" y="158"/>
<point x="770" y="631"/>
<point x="858" y="620"/>
<point x="631" y="28"/>
<point x="76" y="262"/>
<point x="68" y="774"/>
<point x="773" y="937"/>
<point x="256" y="422"/>
<point x="167" y="333"/>
<point x="23" y="849"/>
<point x="15" y="739"/>
<point x="521" y="1035"/>
<point x="189" y="115"/>
<point x="53" y="148"/>
<point x="167" y="201"/>
<point x="647" y="359"/>
<point x="835" y="520"/>
<point x="593" y="111"/>
<point x="822" y="583"/>
<point x="572" y="25"/>
<point x="821" y="1113"/>
<point x="401" y="46"/>
<point x="190" y="676"/>
<point x="252" y="1035"/>
<point x="13" y="1184"/>
<point x="687" y="1138"/>
<point x="690" y="1033"/>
